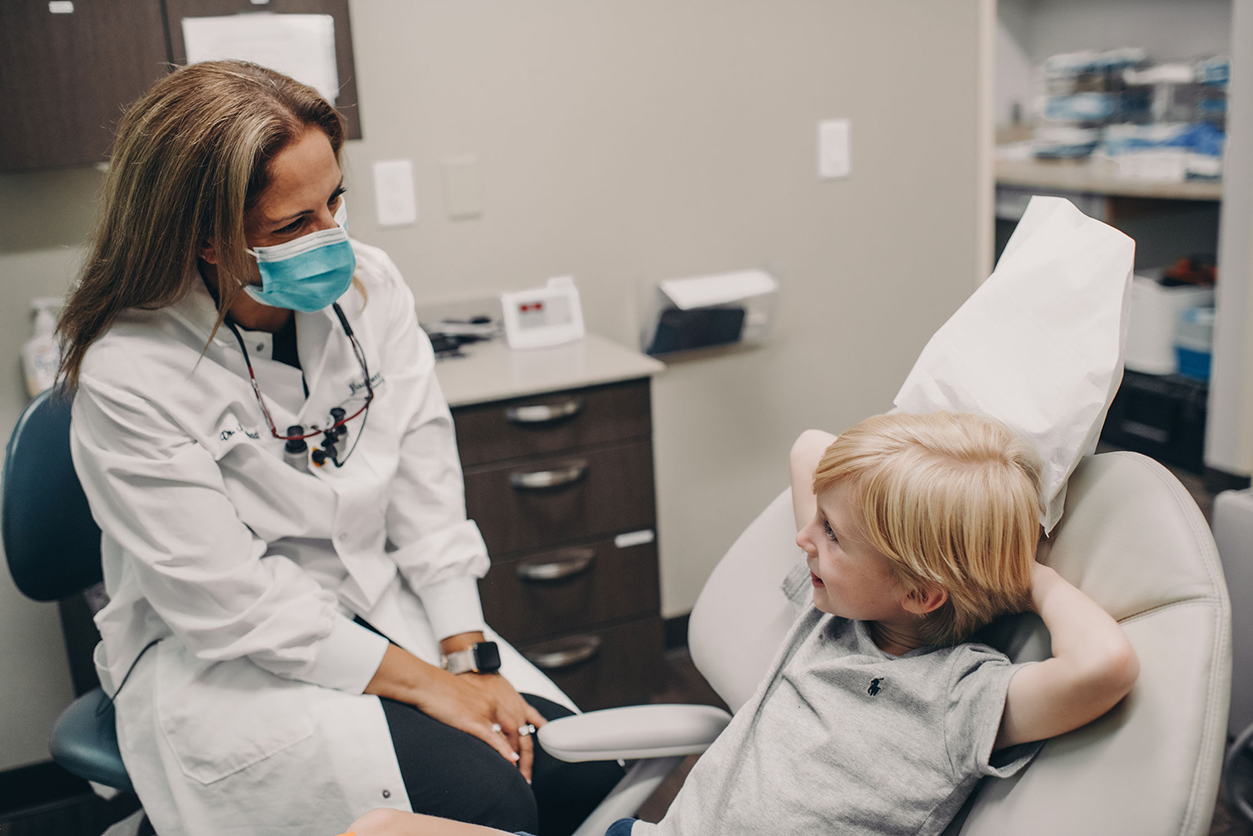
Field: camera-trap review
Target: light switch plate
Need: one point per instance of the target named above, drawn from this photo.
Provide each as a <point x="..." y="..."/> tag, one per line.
<point x="393" y="192"/>
<point x="463" y="190"/>
<point x="834" y="149"/>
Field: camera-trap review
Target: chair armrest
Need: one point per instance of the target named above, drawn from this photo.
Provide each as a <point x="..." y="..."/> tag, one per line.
<point x="633" y="732"/>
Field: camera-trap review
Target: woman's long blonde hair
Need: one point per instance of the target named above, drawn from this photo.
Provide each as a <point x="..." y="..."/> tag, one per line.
<point x="953" y="501"/>
<point x="190" y="159"/>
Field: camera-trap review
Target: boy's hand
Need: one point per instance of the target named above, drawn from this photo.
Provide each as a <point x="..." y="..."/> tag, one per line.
<point x="1093" y="666"/>
<point x="806" y="452"/>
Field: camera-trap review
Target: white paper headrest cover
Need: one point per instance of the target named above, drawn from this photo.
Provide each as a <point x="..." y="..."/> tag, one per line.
<point x="1039" y="346"/>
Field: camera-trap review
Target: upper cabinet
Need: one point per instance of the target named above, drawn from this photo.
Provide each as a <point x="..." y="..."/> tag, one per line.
<point x="69" y="68"/>
<point x="66" y="72"/>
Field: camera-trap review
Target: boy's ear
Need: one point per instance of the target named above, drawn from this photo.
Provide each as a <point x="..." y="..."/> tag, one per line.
<point x="925" y="599"/>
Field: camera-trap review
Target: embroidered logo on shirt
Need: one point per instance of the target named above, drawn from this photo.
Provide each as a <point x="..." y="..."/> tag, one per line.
<point x="239" y="428"/>
<point x="874" y="688"/>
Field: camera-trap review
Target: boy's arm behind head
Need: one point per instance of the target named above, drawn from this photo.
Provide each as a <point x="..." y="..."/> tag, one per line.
<point x="1092" y="668"/>
<point x="806" y="452"/>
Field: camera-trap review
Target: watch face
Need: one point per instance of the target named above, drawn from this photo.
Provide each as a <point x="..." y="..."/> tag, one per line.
<point x="486" y="657"/>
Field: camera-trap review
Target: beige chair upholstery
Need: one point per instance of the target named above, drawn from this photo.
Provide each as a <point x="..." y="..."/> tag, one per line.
<point x="1131" y="538"/>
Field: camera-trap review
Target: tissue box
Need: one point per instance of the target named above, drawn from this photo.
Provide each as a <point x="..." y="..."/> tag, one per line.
<point x="1155" y="311"/>
<point x="707" y="311"/>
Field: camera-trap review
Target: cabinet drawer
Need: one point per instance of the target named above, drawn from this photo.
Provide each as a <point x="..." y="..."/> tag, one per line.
<point x="564" y="589"/>
<point x="618" y="665"/>
<point x="540" y="502"/>
<point x="549" y="423"/>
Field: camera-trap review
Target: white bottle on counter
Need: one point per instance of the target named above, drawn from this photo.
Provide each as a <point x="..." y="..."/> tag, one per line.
<point x="41" y="354"/>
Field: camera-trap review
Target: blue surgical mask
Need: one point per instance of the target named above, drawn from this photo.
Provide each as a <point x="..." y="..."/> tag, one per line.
<point x="309" y="273"/>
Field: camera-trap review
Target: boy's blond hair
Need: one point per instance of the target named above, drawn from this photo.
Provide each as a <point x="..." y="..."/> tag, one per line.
<point x="952" y="500"/>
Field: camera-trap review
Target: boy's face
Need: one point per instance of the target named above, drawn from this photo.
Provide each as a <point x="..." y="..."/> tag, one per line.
<point x="850" y="578"/>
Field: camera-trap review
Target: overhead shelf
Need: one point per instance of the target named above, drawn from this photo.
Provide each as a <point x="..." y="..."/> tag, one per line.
<point x="1098" y="177"/>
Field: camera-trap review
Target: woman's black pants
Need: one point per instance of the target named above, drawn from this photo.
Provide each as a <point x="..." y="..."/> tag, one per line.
<point x="453" y="774"/>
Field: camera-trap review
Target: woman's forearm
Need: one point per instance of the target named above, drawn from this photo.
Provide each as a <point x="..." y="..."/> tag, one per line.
<point x="401" y="676"/>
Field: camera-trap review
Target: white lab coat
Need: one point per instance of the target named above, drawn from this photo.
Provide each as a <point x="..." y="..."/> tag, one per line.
<point x="248" y="716"/>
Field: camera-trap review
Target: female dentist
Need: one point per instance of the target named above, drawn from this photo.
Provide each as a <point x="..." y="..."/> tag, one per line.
<point x="263" y="442"/>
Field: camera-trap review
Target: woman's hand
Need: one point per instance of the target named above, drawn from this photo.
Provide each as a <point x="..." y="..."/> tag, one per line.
<point x="460" y="701"/>
<point x="452" y="700"/>
<point x="512" y="713"/>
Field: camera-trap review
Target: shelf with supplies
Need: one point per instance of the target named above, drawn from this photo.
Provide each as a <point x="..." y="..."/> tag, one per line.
<point x="1167" y="219"/>
<point x="1098" y="177"/>
<point x="556" y="446"/>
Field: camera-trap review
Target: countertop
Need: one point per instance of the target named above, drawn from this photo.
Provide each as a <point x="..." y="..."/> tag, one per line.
<point x="1097" y="177"/>
<point x="491" y="371"/>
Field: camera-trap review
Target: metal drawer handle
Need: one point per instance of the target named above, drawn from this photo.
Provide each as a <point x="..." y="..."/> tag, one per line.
<point x="538" y="480"/>
<point x="544" y="413"/>
<point x="538" y="570"/>
<point x="580" y="649"/>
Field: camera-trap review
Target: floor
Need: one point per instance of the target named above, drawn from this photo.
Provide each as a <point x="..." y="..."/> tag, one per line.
<point x="684" y="684"/>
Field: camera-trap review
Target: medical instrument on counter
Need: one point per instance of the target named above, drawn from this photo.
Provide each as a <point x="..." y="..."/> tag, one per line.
<point x="448" y="335"/>
<point x="543" y="316"/>
<point x="332" y="434"/>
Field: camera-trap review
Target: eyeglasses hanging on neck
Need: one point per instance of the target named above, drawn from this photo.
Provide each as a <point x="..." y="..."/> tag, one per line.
<point x="333" y="429"/>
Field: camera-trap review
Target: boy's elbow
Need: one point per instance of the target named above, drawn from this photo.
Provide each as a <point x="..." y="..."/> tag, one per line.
<point x="1125" y="669"/>
<point x="1117" y="671"/>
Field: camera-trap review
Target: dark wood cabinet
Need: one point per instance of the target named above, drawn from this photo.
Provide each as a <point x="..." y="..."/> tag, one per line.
<point x="561" y="485"/>
<point x="68" y="70"/>
<point x="66" y="76"/>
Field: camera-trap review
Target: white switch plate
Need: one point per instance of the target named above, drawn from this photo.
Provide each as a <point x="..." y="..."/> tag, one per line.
<point x="463" y="190"/>
<point x="393" y="192"/>
<point x="834" y="149"/>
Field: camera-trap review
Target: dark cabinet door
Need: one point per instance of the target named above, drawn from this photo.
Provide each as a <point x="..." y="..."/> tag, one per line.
<point x="67" y="72"/>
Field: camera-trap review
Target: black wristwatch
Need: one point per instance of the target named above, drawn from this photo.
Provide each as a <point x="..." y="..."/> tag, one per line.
<point x="481" y="657"/>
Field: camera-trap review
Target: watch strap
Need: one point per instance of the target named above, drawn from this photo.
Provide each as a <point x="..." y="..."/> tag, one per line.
<point x="481" y="657"/>
<point x="461" y="661"/>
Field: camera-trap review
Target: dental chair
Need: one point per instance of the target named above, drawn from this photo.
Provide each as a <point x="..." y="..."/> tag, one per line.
<point x="53" y="550"/>
<point x="1131" y="538"/>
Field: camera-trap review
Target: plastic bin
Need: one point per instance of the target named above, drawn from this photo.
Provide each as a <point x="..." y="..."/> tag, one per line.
<point x="1154" y="319"/>
<point x="1194" y="342"/>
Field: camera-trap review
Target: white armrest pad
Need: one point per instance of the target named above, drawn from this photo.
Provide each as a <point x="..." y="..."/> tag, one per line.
<point x="634" y="732"/>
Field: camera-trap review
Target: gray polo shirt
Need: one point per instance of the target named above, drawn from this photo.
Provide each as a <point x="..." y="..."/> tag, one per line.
<point x="844" y="738"/>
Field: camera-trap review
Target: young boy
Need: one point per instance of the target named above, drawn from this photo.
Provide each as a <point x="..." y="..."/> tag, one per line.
<point x="878" y="715"/>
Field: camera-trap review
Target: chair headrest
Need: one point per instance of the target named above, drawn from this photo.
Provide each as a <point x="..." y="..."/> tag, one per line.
<point x="50" y="539"/>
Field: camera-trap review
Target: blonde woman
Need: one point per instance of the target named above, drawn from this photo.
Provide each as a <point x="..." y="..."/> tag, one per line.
<point x="880" y="714"/>
<point x="294" y="633"/>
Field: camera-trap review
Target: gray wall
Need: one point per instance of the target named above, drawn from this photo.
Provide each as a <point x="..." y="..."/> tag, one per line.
<point x="43" y="219"/>
<point x="624" y="143"/>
